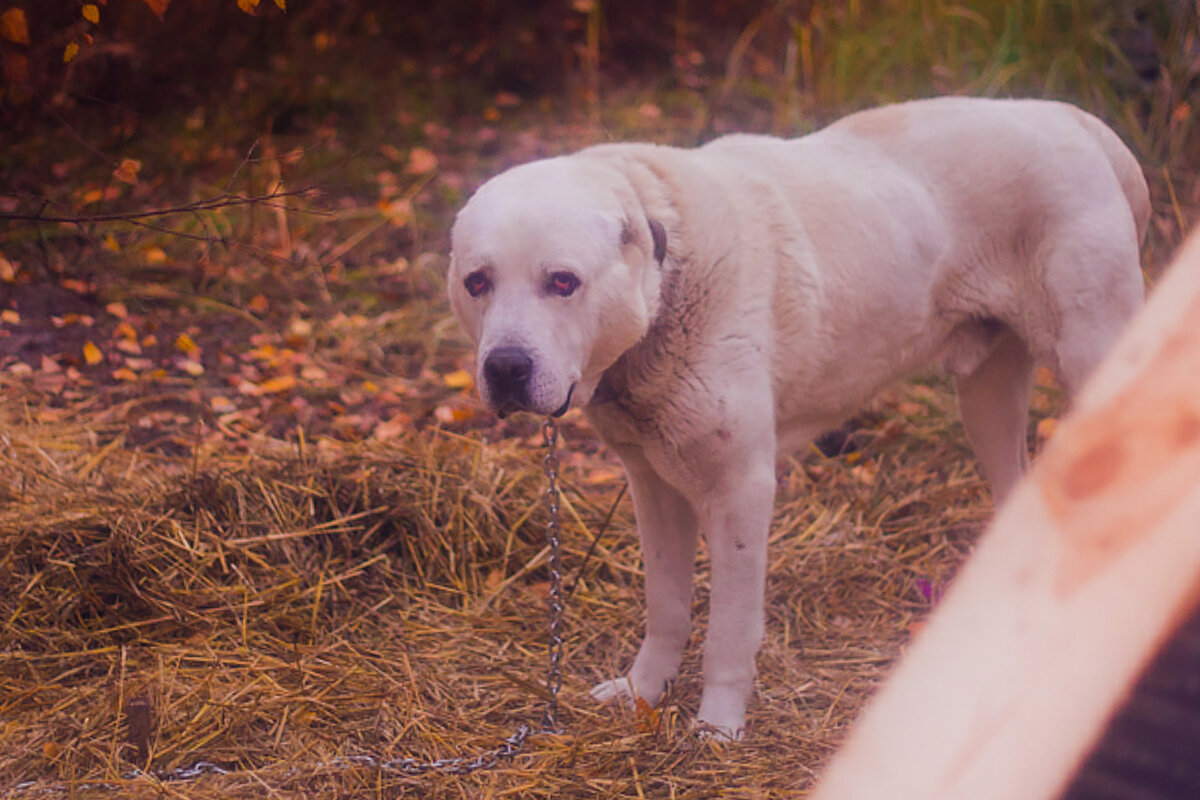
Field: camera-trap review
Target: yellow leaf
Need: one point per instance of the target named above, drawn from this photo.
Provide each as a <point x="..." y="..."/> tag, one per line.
<point x="92" y="354"/>
<point x="159" y="7"/>
<point x="185" y="344"/>
<point x="282" y="4"/>
<point x="127" y="171"/>
<point x="222" y="405"/>
<point x="459" y="379"/>
<point x="247" y="5"/>
<point x="14" y="27"/>
<point x="69" y="52"/>
<point x="111" y="244"/>
<point x="282" y="383"/>
<point x="91" y="12"/>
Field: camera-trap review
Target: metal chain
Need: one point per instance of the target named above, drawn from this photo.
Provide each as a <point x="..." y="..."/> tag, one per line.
<point x="555" y="602"/>
<point x="455" y="765"/>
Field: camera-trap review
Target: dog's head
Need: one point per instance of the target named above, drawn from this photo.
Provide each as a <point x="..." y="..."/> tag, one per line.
<point x="554" y="272"/>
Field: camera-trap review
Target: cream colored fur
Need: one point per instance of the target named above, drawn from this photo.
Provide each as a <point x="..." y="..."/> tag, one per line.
<point x="799" y="277"/>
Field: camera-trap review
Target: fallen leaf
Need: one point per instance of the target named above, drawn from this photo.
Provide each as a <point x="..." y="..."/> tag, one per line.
<point x="91" y="12"/>
<point x="14" y="27"/>
<point x="258" y="304"/>
<point x="221" y="405"/>
<point x="421" y="160"/>
<point x="459" y="379"/>
<point x="124" y="374"/>
<point x="1046" y="428"/>
<point x="193" y="368"/>
<point x="51" y="749"/>
<point x="92" y="354"/>
<point x="10" y="317"/>
<point x="185" y="344"/>
<point x="154" y="255"/>
<point x="8" y="272"/>
<point x="50" y="366"/>
<point x="277" y="385"/>
<point x="127" y="171"/>
<point x="69" y="52"/>
<point x="118" y="310"/>
<point x="159" y="7"/>
<point x="450" y="414"/>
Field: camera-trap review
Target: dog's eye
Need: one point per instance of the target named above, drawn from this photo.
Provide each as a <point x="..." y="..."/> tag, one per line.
<point x="477" y="283"/>
<point x="563" y="283"/>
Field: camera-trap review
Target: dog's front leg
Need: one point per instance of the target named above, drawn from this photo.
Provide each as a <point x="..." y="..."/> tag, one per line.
<point x="667" y="528"/>
<point x="736" y="520"/>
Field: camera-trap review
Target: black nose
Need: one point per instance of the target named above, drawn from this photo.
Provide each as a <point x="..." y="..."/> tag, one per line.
<point x="507" y="371"/>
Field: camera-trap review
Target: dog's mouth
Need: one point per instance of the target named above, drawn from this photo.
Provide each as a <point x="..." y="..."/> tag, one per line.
<point x="566" y="403"/>
<point x="512" y="406"/>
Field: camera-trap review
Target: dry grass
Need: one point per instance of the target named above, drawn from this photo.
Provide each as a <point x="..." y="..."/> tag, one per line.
<point x="281" y="608"/>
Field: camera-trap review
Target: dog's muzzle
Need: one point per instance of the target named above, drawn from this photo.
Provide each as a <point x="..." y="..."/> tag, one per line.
<point x="507" y="371"/>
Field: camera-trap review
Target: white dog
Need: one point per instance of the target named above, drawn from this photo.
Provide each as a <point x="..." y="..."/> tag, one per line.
<point x="712" y="309"/>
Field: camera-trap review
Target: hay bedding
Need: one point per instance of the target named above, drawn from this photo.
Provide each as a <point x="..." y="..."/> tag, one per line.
<point x="277" y="609"/>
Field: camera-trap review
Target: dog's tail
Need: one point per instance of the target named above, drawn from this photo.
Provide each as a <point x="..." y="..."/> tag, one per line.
<point x="1126" y="167"/>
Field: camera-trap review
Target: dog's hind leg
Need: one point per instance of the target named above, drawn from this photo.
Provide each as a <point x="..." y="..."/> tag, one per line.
<point x="993" y="400"/>
<point x="667" y="527"/>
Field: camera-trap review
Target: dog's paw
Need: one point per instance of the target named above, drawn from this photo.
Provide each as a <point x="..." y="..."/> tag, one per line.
<point x="722" y="715"/>
<point x="618" y="690"/>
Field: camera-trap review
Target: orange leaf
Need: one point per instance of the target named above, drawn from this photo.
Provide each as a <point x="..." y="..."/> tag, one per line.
<point x="258" y="304"/>
<point x="91" y="12"/>
<point x="247" y="5"/>
<point x="184" y="344"/>
<point x="127" y="172"/>
<point x="51" y="749"/>
<point x="649" y="718"/>
<point x="10" y="316"/>
<point x="282" y="4"/>
<point x="159" y="7"/>
<point x="124" y="374"/>
<point x="276" y="385"/>
<point x="14" y="27"/>
<point x="92" y="354"/>
<point x="69" y="52"/>
<point x="118" y="310"/>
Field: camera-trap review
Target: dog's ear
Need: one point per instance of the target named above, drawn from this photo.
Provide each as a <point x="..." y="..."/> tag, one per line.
<point x="659" y="234"/>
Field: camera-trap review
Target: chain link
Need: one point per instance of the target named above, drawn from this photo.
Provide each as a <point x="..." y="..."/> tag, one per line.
<point x="455" y="765"/>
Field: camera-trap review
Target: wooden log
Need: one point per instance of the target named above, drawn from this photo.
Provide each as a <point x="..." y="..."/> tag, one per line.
<point x="1087" y="573"/>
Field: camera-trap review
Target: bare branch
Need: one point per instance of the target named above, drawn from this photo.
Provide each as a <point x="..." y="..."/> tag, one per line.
<point x="211" y="204"/>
